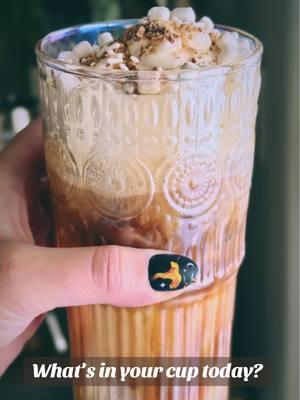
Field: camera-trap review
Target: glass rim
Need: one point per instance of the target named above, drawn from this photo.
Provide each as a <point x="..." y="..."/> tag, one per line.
<point x="168" y="75"/>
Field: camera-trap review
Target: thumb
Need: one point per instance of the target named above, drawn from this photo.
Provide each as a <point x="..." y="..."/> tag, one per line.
<point x="34" y="279"/>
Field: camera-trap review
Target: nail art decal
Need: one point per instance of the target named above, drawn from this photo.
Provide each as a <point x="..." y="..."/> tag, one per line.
<point x="171" y="272"/>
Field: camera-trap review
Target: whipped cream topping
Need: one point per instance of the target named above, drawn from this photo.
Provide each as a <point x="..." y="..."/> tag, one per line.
<point x="164" y="40"/>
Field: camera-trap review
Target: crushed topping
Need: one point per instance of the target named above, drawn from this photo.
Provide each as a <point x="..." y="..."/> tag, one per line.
<point x="164" y="40"/>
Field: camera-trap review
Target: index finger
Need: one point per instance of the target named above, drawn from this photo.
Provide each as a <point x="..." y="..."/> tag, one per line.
<point x="22" y="154"/>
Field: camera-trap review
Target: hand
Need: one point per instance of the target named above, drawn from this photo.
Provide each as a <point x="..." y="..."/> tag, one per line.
<point x="35" y="279"/>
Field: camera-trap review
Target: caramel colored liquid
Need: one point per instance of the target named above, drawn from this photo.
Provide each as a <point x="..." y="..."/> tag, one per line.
<point x="195" y="324"/>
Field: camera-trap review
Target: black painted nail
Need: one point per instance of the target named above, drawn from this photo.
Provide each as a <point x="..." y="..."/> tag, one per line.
<point x="169" y="272"/>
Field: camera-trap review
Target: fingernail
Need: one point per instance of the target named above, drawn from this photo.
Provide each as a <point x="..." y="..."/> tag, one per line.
<point x="169" y="272"/>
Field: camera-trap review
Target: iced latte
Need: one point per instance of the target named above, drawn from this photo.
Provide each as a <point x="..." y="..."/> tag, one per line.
<point x="150" y="143"/>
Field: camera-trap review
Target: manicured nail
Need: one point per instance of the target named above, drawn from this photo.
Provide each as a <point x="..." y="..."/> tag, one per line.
<point x="171" y="272"/>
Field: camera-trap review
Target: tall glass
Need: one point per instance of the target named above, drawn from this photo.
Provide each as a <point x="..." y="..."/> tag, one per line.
<point x="152" y="162"/>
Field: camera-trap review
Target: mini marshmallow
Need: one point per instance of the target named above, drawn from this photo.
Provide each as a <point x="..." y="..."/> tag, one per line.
<point x="123" y="67"/>
<point x="200" y="41"/>
<point x="166" y="54"/>
<point x="82" y="49"/>
<point x="115" y="60"/>
<point x="67" y="56"/>
<point x="159" y="13"/>
<point x="215" y="34"/>
<point x="104" y="39"/>
<point x="227" y="55"/>
<point x="228" y="44"/>
<point x="176" y="20"/>
<point x="148" y="82"/>
<point x="200" y="25"/>
<point x="208" y="24"/>
<point x="185" y="14"/>
<point x="244" y="48"/>
<point x="227" y="39"/>
<point x="134" y="59"/>
<point x="244" y="43"/>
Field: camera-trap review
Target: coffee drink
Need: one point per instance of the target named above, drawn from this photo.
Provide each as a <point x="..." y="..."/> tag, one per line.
<point x="161" y="158"/>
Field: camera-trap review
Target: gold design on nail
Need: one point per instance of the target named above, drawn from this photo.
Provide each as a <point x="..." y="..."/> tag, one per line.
<point x="173" y="274"/>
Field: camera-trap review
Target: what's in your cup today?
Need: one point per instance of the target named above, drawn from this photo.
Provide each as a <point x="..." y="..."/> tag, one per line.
<point x="122" y="373"/>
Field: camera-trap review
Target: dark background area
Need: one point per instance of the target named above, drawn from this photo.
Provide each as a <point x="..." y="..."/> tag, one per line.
<point x="267" y="307"/>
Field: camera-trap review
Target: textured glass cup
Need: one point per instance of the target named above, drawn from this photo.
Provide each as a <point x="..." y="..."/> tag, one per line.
<point x="155" y="163"/>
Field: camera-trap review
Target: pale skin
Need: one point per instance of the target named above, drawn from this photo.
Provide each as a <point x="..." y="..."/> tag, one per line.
<point x="35" y="278"/>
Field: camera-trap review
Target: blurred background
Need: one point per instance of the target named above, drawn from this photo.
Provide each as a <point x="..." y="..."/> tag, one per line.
<point x="267" y="308"/>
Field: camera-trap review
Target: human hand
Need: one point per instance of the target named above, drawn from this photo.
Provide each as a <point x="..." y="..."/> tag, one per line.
<point x="35" y="279"/>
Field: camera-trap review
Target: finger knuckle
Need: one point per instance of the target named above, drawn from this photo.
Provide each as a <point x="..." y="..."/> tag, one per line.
<point x="107" y="272"/>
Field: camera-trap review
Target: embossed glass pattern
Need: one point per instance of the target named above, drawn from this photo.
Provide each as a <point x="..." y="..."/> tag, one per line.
<point x="171" y="171"/>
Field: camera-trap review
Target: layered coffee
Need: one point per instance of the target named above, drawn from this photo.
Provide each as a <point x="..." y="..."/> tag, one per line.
<point x="197" y="324"/>
<point x="150" y="144"/>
